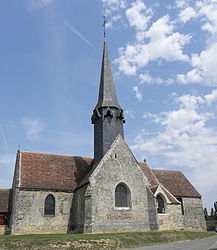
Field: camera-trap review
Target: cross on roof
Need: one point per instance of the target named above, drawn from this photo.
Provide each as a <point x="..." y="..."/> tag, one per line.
<point x="104" y="23"/>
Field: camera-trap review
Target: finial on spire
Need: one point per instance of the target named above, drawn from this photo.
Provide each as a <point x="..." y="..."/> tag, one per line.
<point x="104" y="23"/>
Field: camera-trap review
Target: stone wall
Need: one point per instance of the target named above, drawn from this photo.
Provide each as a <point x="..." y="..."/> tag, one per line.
<point x="172" y="219"/>
<point x="120" y="166"/>
<point x="28" y="212"/>
<point x="193" y="213"/>
<point x="81" y="210"/>
<point x="2" y="229"/>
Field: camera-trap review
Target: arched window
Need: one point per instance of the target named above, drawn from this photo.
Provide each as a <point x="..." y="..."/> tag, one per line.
<point x="160" y="205"/>
<point x="49" y="205"/>
<point x="122" y="196"/>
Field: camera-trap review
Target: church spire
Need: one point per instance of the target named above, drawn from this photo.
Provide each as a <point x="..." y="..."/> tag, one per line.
<point x="107" y="115"/>
<point x="107" y="94"/>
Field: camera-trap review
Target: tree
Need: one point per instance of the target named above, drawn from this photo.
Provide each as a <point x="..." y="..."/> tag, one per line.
<point x="205" y="213"/>
<point x="215" y="206"/>
<point x="212" y="214"/>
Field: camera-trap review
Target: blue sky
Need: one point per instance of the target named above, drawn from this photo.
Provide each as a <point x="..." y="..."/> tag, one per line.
<point x="163" y="56"/>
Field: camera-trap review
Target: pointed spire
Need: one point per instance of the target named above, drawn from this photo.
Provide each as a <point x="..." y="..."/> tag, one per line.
<point x="107" y="94"/>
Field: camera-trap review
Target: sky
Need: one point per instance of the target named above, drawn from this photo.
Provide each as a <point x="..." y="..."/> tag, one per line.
<point x="163" y="57"/>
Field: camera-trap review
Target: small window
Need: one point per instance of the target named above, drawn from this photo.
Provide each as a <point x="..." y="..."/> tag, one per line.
<point x="122" y="196"/>
<point x="160" y="205"/>
<point x="182" y="208"/>
<point x="49" y="206"/>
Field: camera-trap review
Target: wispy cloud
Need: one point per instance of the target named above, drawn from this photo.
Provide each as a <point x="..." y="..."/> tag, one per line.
<point x="111" y="9"/>
<point x="2" y="134"/>
<point x="7" y="159"/>
<point x="34" y="4"/>
<point x="7" y="162"/>
<point x="185" y="138"/>
<point x="77" y="33"/>
<point x="33" y="127"/>
<point x="138" y="93"/>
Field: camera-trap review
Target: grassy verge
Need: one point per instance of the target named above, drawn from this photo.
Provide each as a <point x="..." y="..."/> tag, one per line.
<point x="96" y="241"/>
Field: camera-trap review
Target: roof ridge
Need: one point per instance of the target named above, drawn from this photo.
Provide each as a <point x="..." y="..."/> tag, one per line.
<point x="170" y="170"/>
<point x="63" y="155"/>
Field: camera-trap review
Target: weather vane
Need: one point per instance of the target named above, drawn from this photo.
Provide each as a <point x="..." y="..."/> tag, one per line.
<point x="104" y="23"/>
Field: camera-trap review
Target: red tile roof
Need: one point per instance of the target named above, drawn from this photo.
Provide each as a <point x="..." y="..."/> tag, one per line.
<point x="176" y="183"/>
<point x="4" y="200"/>
<point x="61" y="172"/>
<point x="170" y="197"/>
<point x="50" y="171"/>
<point x="148" y="173"/>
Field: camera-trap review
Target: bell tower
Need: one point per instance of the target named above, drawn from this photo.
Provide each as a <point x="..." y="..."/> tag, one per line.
<point x="108" y="117"/>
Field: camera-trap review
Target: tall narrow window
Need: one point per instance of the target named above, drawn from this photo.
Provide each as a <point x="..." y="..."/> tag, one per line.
<point x="182" y="208"/>
<point x="49" y="205"/>
<point x="160" y="205"/>
<point x="122" y="196"/>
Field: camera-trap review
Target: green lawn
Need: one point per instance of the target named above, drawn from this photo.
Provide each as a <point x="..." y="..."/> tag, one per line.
<point x="96" y="241"/>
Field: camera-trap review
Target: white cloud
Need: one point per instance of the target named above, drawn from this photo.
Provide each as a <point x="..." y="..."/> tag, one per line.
<point x="7" y="163"/>
<point x="138" y="93"/>
<point x="39" y="3"/>
<point x="181" y="3"/>
<point x="164" y="44"/>
<point x="114" y="5"/>
<point x="7" y="160"/>
<point x="148" y="79"/>
<point x="208" y="10"/>
<point x="185" y="138"/>
<point x="130" y="114"/>
<point x="111" y="9"/>
<point x="138" y="15"/>
<point x="4" y="139"/>
<point x="203" y="63"/>
<point x="210" y="98"/>
<point x="33" y="127"/>
<point x="204" y="71"/>
<point x="187" y="14"/>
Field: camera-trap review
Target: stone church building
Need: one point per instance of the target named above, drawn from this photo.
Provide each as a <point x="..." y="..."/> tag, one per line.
<point x="109" y="193"/>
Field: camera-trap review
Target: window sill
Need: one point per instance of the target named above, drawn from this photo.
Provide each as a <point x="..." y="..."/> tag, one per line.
<point x="47" y="215"/>
<point x="122" y="208"/>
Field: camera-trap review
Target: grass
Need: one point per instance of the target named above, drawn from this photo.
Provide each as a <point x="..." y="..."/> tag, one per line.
<point x="96" y="241"/>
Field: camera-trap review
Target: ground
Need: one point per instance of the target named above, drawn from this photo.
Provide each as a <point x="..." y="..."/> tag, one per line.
<point x="201" y="244"/>
<point x="96" y="241"/>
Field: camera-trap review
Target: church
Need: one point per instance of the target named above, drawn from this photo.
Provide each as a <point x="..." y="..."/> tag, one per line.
<point x="111" y="192"/>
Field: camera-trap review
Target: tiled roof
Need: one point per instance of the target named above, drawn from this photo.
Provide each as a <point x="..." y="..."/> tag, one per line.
<point x="148" y="173"/>
<point x="50" y="171"/>
<point x="176" y="183"/>
<point x="61" y="172"/>
<point x="4" y="200"/>
<point x="170" y="197"/>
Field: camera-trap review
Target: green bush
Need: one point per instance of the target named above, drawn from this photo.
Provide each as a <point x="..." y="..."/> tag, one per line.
<point x="211" y="228"/>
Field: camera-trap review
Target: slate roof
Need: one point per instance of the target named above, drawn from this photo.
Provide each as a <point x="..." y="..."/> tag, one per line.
<point x="107" y="94"/>
<point x="4" y="200"/>
<point x="50" y="171"/>
<point x="176" y="183"/>
<point x="60" y="172"/>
